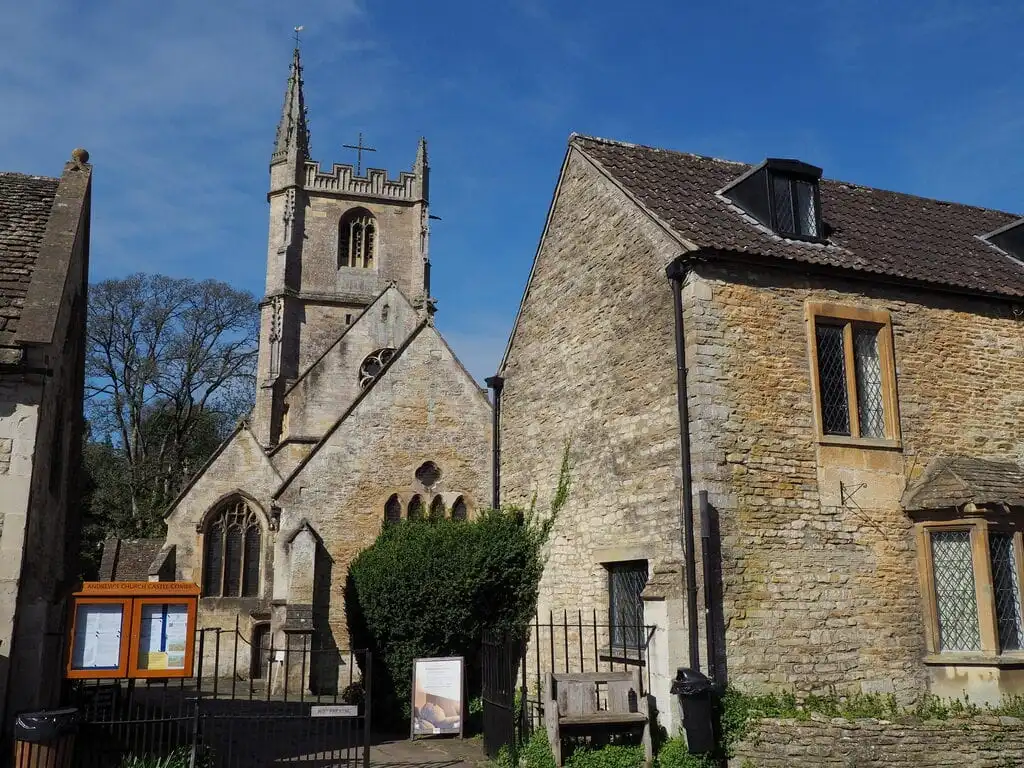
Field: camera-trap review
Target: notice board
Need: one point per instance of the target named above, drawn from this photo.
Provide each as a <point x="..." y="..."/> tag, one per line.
<point x="133" y="629"/>
<point x="437" y="696"/>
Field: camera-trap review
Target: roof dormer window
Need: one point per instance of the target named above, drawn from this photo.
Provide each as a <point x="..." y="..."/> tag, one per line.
<point x="782" y="195"/>
<point x="1009" y="239"/>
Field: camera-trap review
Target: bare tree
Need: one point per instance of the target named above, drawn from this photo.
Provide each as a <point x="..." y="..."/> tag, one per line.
<point x="166" y="357"/>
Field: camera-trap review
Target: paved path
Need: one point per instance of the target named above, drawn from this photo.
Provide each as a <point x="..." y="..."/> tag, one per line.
<point x="438" y="752"/>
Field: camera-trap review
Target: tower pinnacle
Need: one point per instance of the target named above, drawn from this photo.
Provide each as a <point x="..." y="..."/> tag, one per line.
<point x="292" y="132"/>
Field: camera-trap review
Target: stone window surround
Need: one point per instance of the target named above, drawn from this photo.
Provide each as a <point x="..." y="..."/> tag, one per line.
<point x="978" y="522"/>
<point x="202" y="528"/>
<point x="883" y="321"/>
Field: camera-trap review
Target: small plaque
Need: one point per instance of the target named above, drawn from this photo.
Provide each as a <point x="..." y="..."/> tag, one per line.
<point x="334" y="710"/>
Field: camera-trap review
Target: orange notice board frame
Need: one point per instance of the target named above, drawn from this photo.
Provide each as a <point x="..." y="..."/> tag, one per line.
<point x="115" y="625"/>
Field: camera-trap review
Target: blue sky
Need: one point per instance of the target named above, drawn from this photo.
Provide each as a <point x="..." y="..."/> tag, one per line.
<point x="177" y="103"/>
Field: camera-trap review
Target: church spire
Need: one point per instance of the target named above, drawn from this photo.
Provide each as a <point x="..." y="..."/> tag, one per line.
<point x="292" y="131"/>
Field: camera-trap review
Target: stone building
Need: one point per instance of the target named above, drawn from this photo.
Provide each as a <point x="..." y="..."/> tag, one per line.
<point x="44" y="260"/>
<point x="363" y="414"/>
<point x="847" y="364"/>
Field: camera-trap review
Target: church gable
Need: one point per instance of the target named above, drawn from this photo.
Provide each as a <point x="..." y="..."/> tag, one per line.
<point x="238" y="468"/>
<point x="330" y="385"/>
<point x="424" y="408"/>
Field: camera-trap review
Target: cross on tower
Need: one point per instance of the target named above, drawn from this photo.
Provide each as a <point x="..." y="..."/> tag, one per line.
<point x="359" y="147"/>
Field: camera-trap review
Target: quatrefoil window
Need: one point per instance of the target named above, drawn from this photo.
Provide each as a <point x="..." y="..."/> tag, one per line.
<point x="373" y="365"/>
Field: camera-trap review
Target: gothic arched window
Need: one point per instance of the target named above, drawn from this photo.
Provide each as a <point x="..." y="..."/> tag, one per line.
<point x="232" y="548"/>
<point x="459" y="509"/>
<point x="437" y="508"/>
<point x="373" y="365"/>
<point x="415" y="508"/>
<point x="357" y="239"/>
<point x="393" y="509"/>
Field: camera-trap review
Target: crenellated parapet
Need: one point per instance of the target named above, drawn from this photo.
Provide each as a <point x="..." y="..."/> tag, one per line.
<point x="342" y="179"/>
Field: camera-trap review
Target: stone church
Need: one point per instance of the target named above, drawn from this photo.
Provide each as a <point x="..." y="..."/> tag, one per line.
<point x="363" y="414"/>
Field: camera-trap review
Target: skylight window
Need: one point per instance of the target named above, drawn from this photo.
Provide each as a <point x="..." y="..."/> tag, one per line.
<point x="1009" y="239"/>
<point x="782" y="195"/>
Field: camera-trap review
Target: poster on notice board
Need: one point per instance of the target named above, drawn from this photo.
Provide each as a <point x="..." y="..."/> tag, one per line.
<point x="437" y="706"/>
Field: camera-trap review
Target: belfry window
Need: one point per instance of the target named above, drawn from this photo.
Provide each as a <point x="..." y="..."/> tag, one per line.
<point x="782" y="195"/>
<point x="232" y="548"/>
<point x="357" y="239"/>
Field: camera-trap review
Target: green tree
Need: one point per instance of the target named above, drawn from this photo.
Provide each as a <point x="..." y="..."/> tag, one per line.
<point x="169" y="369"/>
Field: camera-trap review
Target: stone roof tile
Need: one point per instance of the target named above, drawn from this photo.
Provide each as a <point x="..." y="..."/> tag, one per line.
<point x="953" y="481"/>
<point x="872" y="230"/>
<point x="25" y="204"/>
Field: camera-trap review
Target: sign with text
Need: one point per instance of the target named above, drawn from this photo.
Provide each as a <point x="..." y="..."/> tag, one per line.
<point x="132" y="629"/>
<point x="437" y="693"/>
<point x="334" y="710"/>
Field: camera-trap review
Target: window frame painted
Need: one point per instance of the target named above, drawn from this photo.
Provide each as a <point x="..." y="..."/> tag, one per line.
<point x="827" y="313"/>
<point x="979" y="527"/>
<point x="792" y="179"/>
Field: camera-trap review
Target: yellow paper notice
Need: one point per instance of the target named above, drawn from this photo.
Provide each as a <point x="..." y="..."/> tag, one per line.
<point x="156" y="660"/>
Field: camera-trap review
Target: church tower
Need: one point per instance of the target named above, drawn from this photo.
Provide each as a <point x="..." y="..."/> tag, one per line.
<point x="337" y="239"/>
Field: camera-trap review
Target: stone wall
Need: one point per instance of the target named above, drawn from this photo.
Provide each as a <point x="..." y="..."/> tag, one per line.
<point x="591" y="365"/>
<point x="978" y="742"/>
<point x="820" y="571"/>
<point x="425" y="407"/>
<point x="820" y="568"/>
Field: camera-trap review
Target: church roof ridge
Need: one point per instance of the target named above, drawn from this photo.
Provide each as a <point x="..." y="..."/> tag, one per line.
<point x="243" y="424"/>
<point x="355" y="404"/>
<point x="333" y="344"/>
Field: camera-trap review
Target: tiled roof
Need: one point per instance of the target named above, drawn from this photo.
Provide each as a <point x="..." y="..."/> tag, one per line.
<point x="953" y="481"/>
<point x="874" y="231"/>
<point x="25" y="203"/>
<point x="128" y="559"/>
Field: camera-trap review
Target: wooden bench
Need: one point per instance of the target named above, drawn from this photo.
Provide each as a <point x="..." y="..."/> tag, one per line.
<point x="571" y="707"/>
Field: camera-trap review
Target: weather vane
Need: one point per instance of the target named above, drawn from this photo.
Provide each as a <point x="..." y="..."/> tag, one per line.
<point x="359" y="147"/>
<point x="297" y="30"/>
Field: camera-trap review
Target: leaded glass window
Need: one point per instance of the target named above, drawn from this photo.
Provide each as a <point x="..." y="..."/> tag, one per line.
<point x="232" y="549"/>
<point x="794" y="206"/>
<point x="626" y="582"/>
<point x="835" y="412"/>
<point x="955" y="599"/>
<point x="437" y="508"/>
<point x="415" y="508"/>
<point x="851" y="378"/>
<point x="1006" y="590"/>
<point x="393" y="509"/>
<point x="459" y="509"/>
<point x="357" y="236"/>
<point x="870" y="412"/>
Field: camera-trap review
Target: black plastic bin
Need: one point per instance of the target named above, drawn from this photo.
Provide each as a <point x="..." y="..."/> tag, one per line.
<point x="694" y="690"/>
<point x="45" y="739"/>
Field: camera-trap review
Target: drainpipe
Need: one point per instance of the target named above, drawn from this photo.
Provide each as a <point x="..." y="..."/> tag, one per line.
<point x="676" y="273"/>
<point x="709" y="603"/>
<point x="496" y="383"/>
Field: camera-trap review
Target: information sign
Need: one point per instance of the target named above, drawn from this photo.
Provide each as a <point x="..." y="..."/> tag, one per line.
<point x="437" y="696"/>
<point x="133" y="629"/>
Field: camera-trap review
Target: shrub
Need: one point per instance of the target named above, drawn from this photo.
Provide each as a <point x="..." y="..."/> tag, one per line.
<point x="612" y="756"/>
<point x="536" y="753"/>
<point x="674" y="754"/>
<point x="431" y="588"/>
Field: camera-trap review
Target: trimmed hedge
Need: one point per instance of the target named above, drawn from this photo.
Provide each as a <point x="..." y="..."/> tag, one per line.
<point x="431" y="588"/>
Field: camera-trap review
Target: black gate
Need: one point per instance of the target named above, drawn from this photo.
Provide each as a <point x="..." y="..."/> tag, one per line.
<point x="501" y="657"/>
<point x="307" y="707"/>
